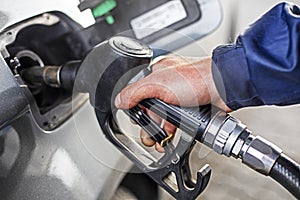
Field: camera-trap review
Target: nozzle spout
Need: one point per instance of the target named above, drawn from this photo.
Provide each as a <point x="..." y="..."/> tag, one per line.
<point x="54" y="76"/>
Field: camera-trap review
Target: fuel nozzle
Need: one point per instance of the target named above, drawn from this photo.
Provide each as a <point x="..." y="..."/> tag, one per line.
<point x="62" y="76"/>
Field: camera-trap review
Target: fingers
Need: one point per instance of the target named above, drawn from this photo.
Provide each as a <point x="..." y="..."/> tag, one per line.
<point x="134" y="93"/>
<point x="159" y="148"/>
<point x="168" y="127"/>
<point x="145" y="137"/>
<point x="148" y="87"/>
<point x="146" y="140"/>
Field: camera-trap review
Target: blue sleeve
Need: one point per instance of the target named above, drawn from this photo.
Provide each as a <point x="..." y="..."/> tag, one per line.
<point x="263" y="66"/>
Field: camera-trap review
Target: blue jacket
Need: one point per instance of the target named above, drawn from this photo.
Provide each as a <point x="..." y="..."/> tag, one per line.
<point x="263" y="66"/>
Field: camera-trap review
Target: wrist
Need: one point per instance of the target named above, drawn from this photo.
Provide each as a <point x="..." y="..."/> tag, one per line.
<point x="216" y="98"/>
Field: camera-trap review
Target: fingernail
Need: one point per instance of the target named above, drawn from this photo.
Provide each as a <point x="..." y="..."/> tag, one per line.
<point x="118" y="101"/>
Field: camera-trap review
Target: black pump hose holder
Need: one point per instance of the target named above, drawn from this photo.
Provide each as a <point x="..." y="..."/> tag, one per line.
<point x="112" y="64"/>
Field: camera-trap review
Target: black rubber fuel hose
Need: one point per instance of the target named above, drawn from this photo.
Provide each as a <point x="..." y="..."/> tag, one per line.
<point x="287" y="173"/>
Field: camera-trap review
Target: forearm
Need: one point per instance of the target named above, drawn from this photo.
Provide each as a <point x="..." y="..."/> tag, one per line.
<point x="263" y="66"/>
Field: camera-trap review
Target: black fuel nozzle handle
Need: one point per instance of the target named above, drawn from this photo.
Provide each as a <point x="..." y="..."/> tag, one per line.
<point x="143" y="120"/>
<point x="192" y="120"/>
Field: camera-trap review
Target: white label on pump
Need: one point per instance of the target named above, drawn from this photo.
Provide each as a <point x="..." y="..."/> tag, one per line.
<point x="158" y="18"/>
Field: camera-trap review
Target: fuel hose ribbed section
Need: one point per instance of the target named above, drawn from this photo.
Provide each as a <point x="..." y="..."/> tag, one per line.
<point x="287" y="173"/>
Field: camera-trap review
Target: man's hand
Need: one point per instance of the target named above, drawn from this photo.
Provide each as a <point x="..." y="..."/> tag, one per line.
<point x="177" y="81"/>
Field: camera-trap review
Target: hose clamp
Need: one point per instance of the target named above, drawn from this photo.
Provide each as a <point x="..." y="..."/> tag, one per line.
<point x="261" y="155"/>
<point x="213" y="128"/>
